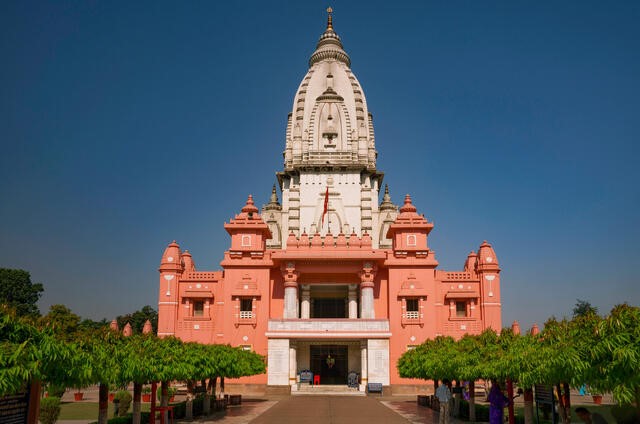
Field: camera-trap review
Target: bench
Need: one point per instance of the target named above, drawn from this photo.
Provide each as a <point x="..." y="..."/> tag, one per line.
<point x="374" y="388"/>
<point x="306" y="377"/>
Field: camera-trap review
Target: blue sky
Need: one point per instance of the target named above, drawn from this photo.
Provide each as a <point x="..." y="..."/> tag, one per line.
<point x="125" y="125"/>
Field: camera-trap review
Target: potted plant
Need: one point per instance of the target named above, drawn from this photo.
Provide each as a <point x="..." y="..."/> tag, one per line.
<point x="112" y="392"/>
<point x="146" y="394"/>
<point x="78" y="395"/>
<point x="171" y="392"/>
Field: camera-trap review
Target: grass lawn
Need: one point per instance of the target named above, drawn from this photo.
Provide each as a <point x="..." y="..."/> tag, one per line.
<point x="87" y="410"/>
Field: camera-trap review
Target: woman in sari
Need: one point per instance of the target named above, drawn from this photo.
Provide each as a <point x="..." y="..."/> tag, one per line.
<point x="497" y="402"/>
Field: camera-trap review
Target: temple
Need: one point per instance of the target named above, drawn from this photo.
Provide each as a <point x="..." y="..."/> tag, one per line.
<point x="331" y="284"/>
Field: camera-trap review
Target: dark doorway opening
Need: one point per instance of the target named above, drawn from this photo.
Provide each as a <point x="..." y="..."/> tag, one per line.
<point x="329" y="308"/>
<point x="330" y="362"/>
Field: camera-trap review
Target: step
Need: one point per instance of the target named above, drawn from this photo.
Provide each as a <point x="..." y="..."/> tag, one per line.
<point x="326" y="389"/>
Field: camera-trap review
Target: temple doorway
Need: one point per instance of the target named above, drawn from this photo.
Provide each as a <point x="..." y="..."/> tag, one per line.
<point x="329" y="301"/>
<point x="330" y="362"/>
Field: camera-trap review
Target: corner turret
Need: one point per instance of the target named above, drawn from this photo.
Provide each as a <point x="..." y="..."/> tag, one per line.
<point x="248" y="232"/>
<point x="409" y="232"/>
<point x="171" y="269"/>
<point x="489" y="274"/>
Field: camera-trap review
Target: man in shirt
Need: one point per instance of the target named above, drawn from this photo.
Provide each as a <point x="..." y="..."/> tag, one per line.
<point x="443" y="393"/>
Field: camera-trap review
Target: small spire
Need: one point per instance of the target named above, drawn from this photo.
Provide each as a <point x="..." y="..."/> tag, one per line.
<point x="250" y="207"/>
<point x="273" y="200"/>
<point x="386" y="200"/>
<point x="329" y="18"/>
<point x="408" y="205"/>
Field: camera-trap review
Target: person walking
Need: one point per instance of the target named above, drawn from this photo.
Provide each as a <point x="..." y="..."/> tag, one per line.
<point x="497" y="402"/>
<point x="443" y="393"/>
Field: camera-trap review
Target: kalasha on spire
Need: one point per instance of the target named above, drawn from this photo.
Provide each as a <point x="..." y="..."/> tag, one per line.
<point x="329" y="45"/>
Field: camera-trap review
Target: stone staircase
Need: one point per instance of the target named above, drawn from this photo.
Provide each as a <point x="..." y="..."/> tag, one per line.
<point x="326" y="390"/>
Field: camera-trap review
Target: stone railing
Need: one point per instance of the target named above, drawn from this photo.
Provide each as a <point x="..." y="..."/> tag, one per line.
<point x="323" y="325"/>
<point x="457" y="276"/>
<point x="201" y="276"/>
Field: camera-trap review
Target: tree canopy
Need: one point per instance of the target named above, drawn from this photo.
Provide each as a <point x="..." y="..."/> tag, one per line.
<point x="18" y="292"/>
<point x="603" y="352"/>
<point x="583" y="308"/>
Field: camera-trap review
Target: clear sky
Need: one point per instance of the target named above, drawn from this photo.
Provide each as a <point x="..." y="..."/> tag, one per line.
<point x="127" y="124"/>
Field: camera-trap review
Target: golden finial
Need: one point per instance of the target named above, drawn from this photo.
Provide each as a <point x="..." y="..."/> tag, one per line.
<point x="329" y="19"/>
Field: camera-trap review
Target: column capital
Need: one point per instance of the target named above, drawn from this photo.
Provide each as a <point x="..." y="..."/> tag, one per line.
<point x="367" y="274"/>
<point x="289" y="274"/>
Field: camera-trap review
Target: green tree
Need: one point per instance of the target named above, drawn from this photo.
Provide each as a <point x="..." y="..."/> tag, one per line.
<point x="18" y="292"/>
<point x="28" y="353"/>
<point x="62" y="321"/>
<point x="613" y="354"/>
<point x="583" y="308"/>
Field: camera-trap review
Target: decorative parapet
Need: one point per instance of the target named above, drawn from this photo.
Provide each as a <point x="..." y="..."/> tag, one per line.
<point x="337" y="328"/>
<point x="201" y="276"/>
<point x="447" y="276"/>
<point x="339" y="242"/>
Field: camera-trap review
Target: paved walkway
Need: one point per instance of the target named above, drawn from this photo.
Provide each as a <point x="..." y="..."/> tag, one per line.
<point x="330" y="410"/>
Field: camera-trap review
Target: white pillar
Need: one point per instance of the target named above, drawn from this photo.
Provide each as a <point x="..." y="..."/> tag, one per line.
<point x="366" y="300"/>
<point x="293" y="363"/>
<point x="353" y="301"/>
<point x="364" y="375"/>
<point x="305" y="307"/>
<point x="290" y="277"/>
<point x="290" y="300"/>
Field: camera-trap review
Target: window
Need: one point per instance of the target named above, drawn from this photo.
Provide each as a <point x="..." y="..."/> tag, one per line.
<point x="411" y="347"/>
<point x="246" y="347"/>
<point x="246" y="308"/>
<point x="461" y="309"/>
<point x="198" y="308"/>
<point x="411" y="240"/>
<point x="413" y="311"/>
<point x="246" y="241"/>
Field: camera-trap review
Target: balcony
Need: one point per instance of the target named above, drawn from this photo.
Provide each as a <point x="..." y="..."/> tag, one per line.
<point x="246" y="317"/>
<point x="328" y="328"/>
<point x="412" y="317"/>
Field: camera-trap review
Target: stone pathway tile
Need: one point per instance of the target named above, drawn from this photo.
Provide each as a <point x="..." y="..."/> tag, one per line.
<point x="410" y="410"/>
<point x="330" y="410"/>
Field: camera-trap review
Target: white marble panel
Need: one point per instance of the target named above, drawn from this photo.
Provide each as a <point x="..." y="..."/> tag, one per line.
<point x="278" y="362"/>
<point x="378" y="350"/>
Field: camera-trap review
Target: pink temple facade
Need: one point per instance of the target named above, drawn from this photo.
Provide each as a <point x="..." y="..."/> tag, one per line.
<point x="330" y="281"/>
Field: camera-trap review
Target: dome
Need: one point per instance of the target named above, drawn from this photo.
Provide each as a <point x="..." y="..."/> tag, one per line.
<point x="330" y="123"/>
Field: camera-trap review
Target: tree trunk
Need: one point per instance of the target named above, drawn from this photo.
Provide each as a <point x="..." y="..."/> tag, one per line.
<point x="456" y="400"/>
<point x="472" y="401"/>
<point x="137" y="394"/>
<point x="206" y="405"/>
<point x="164" y="398"/>
<point x="189" y="404"/>
<point x="103" y="403"/>
<point x="512" y="416"/>
<point x="528" y="406"/>
<point x="164" y="393"/>
<point x="221" y="387"/>
<point x="567" y="402"/>
<point x="562" y="409"/>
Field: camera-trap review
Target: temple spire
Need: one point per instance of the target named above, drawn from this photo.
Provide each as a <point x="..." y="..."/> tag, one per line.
<point x="386" y="200"/>
<point x="273" y="201"/>
<point x="329" y="18"/>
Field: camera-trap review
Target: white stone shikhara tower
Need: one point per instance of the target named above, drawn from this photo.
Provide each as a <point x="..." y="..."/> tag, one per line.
<point x="330" y="154"/>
